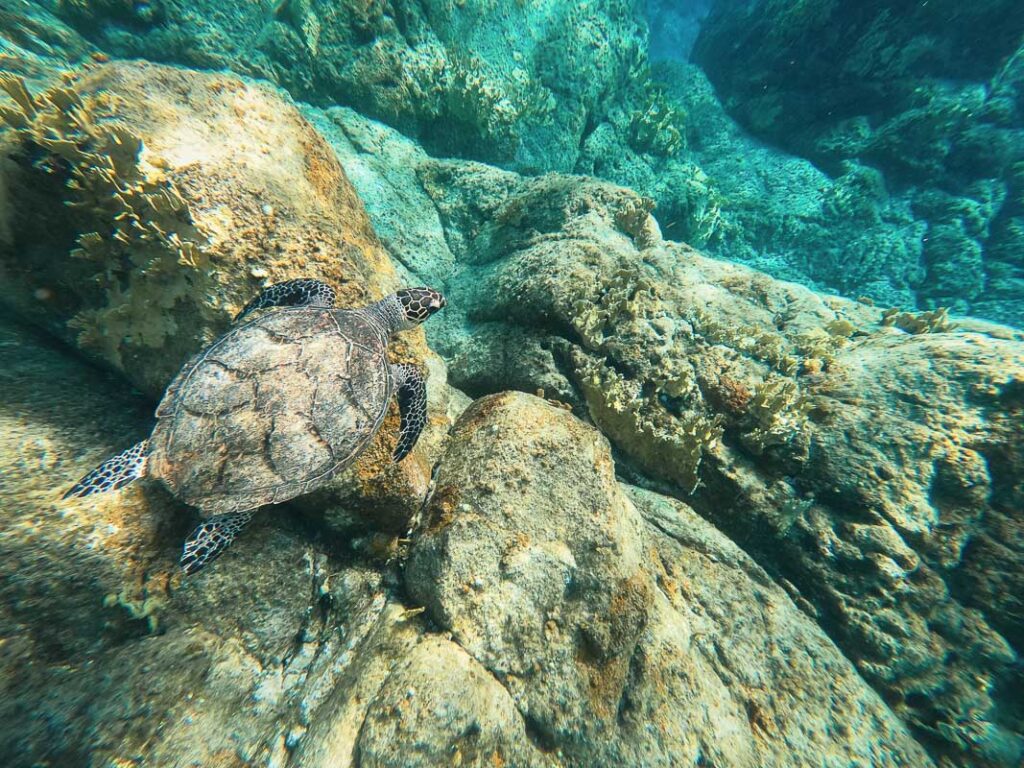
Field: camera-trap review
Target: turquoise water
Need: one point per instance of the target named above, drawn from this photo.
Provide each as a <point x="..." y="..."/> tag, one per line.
<point x="511" y="383"/>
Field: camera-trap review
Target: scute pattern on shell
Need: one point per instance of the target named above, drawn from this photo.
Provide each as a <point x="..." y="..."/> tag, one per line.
<point x="272" y="410"/>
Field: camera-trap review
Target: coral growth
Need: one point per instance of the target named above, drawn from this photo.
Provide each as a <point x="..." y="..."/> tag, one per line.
<point x="936" y="321"/>
<point x="776" y="415"/>
<point x="657" y="126"/>
<point x="661" y="403"/>
<point x="148" y="254"/>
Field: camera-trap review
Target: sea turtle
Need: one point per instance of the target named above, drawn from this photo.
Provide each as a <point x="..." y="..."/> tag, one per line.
<point x="275" y="407"/>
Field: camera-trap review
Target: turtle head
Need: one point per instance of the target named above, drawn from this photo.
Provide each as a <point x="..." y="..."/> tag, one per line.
<point x="407" y="308"/>
<point x="418" y="304"/>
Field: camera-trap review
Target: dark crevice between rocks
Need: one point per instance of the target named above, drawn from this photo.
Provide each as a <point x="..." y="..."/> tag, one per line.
<point x="1002" y="602"/>
<point x="538" y="735"/>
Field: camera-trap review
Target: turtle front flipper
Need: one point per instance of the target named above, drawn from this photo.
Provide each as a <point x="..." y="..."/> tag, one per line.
<point x="211" y="538"/>
<point x="114" y="473"/>
<point x="412" y="405"/>
<point x="304" y="292"/>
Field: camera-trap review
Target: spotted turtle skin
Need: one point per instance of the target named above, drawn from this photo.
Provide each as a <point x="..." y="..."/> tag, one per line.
<point x="273" y="409"/>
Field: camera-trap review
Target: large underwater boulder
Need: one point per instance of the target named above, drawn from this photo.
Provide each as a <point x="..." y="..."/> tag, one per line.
<point x="508" y="82"/>
<point x="626" y="629"/>
<point x="180" y="195"/>
<point x="931" y="94"/>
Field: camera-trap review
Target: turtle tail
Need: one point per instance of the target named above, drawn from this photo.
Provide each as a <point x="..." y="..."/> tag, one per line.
<point x="114" y="473"/>
<point x="211" y="538"/>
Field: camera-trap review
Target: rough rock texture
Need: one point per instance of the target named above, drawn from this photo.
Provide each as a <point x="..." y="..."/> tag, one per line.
<point x="621" y="635"/>
<point x="761" y="403"/>
<point x="725" y="192"/>
<point x="185" y="194"/>
<point x="562" y="86"/>
<point x="931" y="95"/>
<point x="508" y="82"/>
<point x="298" y="651"/>
<point x="383" y="166"/>
<point x="707" y="374"/>
<point x="37" y="45"/>
<point x="109" y="658"/>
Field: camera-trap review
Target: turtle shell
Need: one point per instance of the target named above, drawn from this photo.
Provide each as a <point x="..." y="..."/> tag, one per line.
<point x="272" y="409"/>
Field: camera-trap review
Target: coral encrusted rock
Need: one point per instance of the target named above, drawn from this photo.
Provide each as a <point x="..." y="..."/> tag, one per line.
<point x="182" y="194"/>
<point x="761" y="404"/>
<point x="575" y="630"/>
<point x="626" y="629"/>
<point x="108" y="656"/>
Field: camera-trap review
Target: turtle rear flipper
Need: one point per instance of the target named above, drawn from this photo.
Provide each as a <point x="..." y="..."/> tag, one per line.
<point x="114" y="473"/>
<point x="211" y="538"/>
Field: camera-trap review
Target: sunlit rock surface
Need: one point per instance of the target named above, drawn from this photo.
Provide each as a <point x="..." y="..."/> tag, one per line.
<point x="627" y="621"/>
<point x="184" y="193"/>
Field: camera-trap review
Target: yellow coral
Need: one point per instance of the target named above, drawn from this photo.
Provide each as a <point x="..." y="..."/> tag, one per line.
<point x="936" y="321"/>
<point x="626" y="295"/>
<point x="148" y="252"/>
<point x="670" y="445"/>
<point x="776" y="415"/>
<point x="145" y="601"/>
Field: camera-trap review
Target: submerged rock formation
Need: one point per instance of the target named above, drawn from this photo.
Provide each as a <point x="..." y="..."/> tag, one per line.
<point x="507" y="82"/>
<point x="185" y="193"/>
<point x="629" y="618"/>
<point x="931" y="95"/>
<point x="761" y="404"/>
<point x="864" y="464"/>
<point x="556" y="86"/>
<point x="109" y="658"/>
